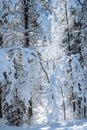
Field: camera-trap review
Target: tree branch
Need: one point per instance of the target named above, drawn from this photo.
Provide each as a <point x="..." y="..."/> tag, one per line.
<point x="80" y="3"/>
<point x="43" y="68"/>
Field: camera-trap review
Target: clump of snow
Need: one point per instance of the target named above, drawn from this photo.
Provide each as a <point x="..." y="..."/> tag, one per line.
<point x="2" y="122"/>
<point x="72" y="4"/>
<point x="45" y="24"/>
<point x="44" y="20"/>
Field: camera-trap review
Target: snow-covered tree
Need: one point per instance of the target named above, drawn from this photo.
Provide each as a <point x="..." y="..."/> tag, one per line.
<point x="22" y="73"/>
<point x="31" y="29"/>
<point x="69" y="90"/>
<point x="9" y="19"/>
<point x="3" y="19"/>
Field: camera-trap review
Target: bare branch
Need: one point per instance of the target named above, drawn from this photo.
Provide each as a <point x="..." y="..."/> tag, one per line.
<point x="80" y="3"/>
<point x="43" y="68"/>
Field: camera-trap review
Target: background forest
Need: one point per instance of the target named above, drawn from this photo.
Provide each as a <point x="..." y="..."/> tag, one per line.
<point x="43" y="61"/>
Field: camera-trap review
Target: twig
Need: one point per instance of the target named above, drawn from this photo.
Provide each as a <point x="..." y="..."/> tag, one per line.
<point x="43" y="68"/>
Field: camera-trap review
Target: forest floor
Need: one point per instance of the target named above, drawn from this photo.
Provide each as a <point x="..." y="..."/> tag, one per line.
<point x="76" y="125"/>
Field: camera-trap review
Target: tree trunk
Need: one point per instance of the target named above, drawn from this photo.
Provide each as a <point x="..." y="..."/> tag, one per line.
<point x="30" y="111"/>
<point x="30" y="108"/>
<point x="0" y="103"/>
<point x="64" y="106"/>
<point x="67" y="22"/>
<point x="26" y="20"/>
<point x="1" y="40"/>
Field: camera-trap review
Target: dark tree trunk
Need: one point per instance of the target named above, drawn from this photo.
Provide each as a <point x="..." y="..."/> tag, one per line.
<point x="30" y="109"/>
<point x="67" y="22"/>
<point x="0" y="103"/>
<point x="1" y="41"/>
<point x="26" y="21"/>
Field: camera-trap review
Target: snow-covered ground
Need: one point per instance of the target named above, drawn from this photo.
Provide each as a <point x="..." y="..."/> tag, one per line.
<point x="77" y="125"/>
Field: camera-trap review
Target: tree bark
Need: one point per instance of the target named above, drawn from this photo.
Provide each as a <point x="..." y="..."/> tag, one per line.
<point x="1" y="39"/>
<point x="0" y="103"/>
<point x="64" y="106"/>
<point x="30" y="111"/>
<point x="67" y="22"/>
<point x="26" y="21"/>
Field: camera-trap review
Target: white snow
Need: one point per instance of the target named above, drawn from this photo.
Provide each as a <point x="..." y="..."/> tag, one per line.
<point x="75" y="125"/>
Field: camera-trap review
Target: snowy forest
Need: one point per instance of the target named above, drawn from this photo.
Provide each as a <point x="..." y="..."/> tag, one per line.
<point x="43" y="61"/>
